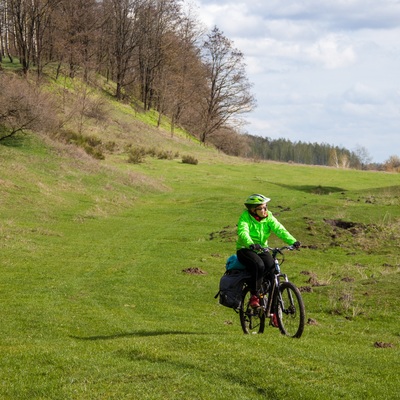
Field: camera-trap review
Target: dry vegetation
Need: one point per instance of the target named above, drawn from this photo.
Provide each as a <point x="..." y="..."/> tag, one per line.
<point x="24" y="106"/>
<point x="86" y="119"/>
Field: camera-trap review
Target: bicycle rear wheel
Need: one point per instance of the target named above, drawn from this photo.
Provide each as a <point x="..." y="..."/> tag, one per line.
<point x="290" y="310"/>
<point x="252" y="320"/>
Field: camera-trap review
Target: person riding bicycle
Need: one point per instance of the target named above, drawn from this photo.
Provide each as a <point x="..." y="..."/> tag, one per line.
<point x="254" y="228"/>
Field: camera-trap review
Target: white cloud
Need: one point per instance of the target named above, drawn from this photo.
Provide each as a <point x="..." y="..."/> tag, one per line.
<point x="332" y="52"/>
<point x="362" y="94"/>
<point x="323" y="71"/>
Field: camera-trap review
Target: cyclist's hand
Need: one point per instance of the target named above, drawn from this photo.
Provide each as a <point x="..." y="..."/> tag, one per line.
<point x="296" y="244"/>
<point x="255" y="247"/>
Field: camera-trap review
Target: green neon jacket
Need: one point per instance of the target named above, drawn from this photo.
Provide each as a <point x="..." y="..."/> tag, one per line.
<point x="250" y="231"/>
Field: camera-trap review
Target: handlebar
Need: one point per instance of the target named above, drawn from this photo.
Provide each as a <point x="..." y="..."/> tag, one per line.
<point x="278" y="250"/>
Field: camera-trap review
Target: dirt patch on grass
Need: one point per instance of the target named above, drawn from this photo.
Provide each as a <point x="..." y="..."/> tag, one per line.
<point x="226" y="234"/>
<point x="352" y="235"/>
<point x="314" y="281"/>
<point x="348" y="279"/>
<point x="305" y="289"/>
<point x="383" y="345"/>
<point x="194" y="271"/>
<point x="353" y="227"/>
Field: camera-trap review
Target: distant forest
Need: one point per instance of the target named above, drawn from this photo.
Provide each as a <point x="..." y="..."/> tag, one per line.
<point x="306" y="153"/>
<point x="284" y="150"/>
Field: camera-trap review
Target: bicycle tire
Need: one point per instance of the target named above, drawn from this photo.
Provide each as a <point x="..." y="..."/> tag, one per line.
<point x="251" y="320"/>
<point x="290" y="310"/>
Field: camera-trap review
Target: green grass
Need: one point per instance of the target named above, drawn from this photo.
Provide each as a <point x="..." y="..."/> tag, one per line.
<point x="14" y="66"/>
<point x="95" y="303"/>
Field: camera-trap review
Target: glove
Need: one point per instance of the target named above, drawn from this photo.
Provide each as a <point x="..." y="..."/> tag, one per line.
<point x="255" y="247"/>
<point x="296" y="244"/>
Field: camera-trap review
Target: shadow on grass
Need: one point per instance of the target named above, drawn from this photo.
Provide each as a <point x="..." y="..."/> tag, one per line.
<point x="253" y="388"/>
<point x="12" y="141"/>
<point x="138" y="355"/>
<point x="320" y="190"/>
<point x="133" y="334"/>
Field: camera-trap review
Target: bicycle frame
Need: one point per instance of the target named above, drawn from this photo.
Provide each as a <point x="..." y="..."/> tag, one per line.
<point x="273" y="292"/>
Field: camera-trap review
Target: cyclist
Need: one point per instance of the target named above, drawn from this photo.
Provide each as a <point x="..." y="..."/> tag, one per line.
<point x="254" y="228"/>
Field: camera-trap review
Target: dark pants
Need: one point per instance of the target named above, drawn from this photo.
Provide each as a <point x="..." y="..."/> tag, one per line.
<point x="257" y="265"/>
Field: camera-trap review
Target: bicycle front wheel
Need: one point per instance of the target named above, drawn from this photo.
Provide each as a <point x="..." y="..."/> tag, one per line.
<point x="252" y="320"/>
<point x="290" y="310"/>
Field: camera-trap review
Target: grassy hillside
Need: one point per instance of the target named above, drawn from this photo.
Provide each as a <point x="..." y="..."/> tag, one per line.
<point x="96" y="303"/>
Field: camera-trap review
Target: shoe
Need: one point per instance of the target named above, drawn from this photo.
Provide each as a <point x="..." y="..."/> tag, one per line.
<point x="274" y="321"/>
<point x="254" y="302"/>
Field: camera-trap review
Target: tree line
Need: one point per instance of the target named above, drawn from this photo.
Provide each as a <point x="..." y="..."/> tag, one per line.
<point x="304" y="153"/>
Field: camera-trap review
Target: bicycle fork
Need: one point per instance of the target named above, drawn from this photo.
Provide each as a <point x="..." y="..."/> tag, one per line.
<point x="275" y="298"/>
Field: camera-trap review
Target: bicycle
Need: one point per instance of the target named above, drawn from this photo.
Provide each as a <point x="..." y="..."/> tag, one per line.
<point x="280" y="302"/>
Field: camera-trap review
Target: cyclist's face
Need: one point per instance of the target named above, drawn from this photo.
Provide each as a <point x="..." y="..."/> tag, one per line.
<point x="261" y="210"/>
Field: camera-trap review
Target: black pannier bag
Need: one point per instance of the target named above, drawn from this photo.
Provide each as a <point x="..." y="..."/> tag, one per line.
<point x="231" y="287"/>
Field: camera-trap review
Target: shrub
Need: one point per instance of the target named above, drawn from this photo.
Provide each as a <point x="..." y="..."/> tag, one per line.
<point x="92" y="141"/>
<point x="165" y="155"/>
<point x="96" y="109"/>
<point x="152" y="152"/>
<point x="392" y="164"/>
<point x="110" y="146"/>
<point x="91" y="144"/>
<point x="136" y="155"/>
<point x="94" y="152"/>
<point x="189" y="160"/>
<point x="24" y="106"/>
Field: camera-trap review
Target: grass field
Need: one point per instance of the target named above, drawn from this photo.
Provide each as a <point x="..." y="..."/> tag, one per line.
<point x="96" y="303"/>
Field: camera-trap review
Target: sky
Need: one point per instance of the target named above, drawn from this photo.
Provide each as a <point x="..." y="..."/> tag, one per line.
<point x="323" y="71"/>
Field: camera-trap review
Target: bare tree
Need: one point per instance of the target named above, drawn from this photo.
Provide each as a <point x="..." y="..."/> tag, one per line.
<point x="392" y="164"/>
<point x="24" y="106"/>
<point x="21" y="15"/>
<point x="228" y="93"/>
<point x="157" y="24"/>
<point x="26" y="30"/>
<point x="42" y="12"/>
<point x="148" y="50"/>
<point x="333" y="158"/>
<point x="3" y="28"/>
<point x="185" y="75"/>
<point x="363" y="156"/>
<point x="120" y="38"/>
<point x="231" y="142"/>
<point x="77" y="35"/>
